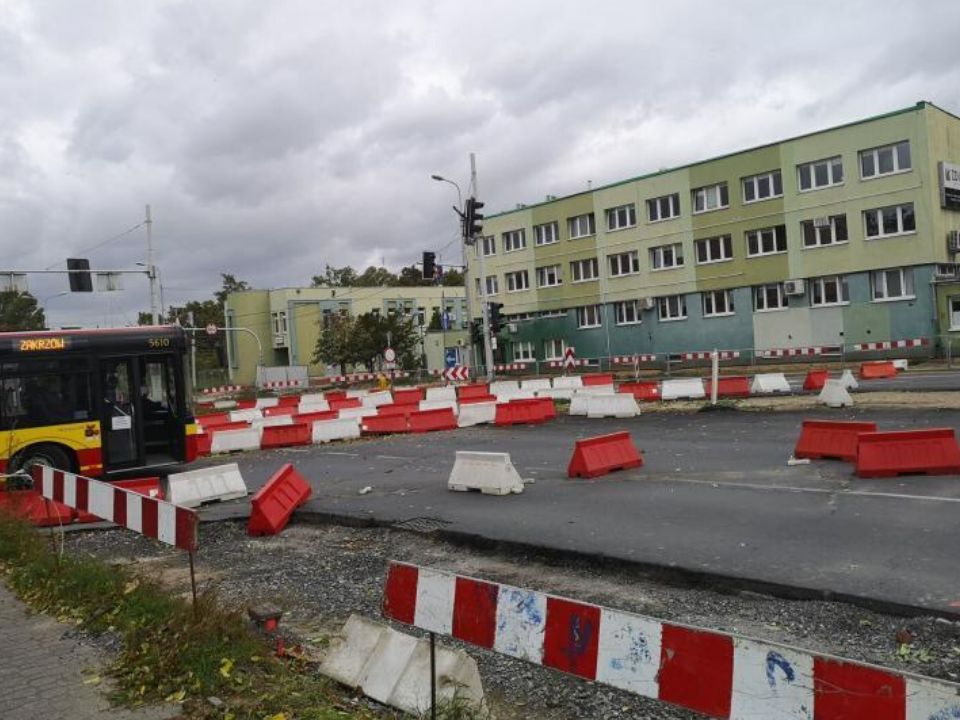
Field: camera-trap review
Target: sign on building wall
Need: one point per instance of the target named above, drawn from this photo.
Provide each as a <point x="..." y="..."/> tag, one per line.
<point x="949" y="186"/>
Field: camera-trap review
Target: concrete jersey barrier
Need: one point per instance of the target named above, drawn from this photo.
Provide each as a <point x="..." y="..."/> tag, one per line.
<point x="340" y="429"/>
<point x="568" y="382"/>
<point x="535" y="384"/>
<point x="233" y="440"/>
<point x="767" y="383"/>
<point x="620" y="405"/>
<point x="682" y="388"/>
<point x="195" y="487"/>
<point x="439" y="394"/>
<point x="504" y="386"/>
<point x="835" y="395"/>
<point x="477" y="414"/>
<point x="491" y="473"/>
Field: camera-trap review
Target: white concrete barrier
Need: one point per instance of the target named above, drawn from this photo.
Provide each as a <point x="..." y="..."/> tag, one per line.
<point x="682" y="388"/>
<point x="569" y="382"/>
<point x="224" y="404"/>
<point x="393" y="668"/>
<point x="508" y="395"/>
<point x="195" y="487"/>
<point x="476" y="414"/>
<point x="357" y="393"/>
<point x="596" y="390"/>
<point x="313" y="406"/>
<point x="504" y="386"/>
<point x="266" y="402"/>
<point x="556" y="393"/>
<point x="225" y="441"/>
<point x="376" y="399"/>
<point x="620" y="405"/>
<point x="578" y="404"/>
<point x="439" y="405"/>
<point x="491" y="473"/>
<point x="313" y="399"/>
<point x="766" y="383"/>
<point x="272" y="421"/>
<point x="901" y="364"/>
<point x="835" y="395"/>
<point x="848" y="380"/>
<point x="448" y="393"/>
<point x="535" y="384"/>
<point x="360" y="412"/>
<point x="248" y="415"/>
<point x="340" y="429"/>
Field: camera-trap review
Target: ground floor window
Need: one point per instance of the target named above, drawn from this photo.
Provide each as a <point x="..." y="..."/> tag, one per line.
<point x="955" y="312"/>
<point x="627" y="312"/>
<point x="672" y="307"/>
<point x="523" y="351"/>
<point x="717" y="303"/>
<point x="554" y="349"/>
<point x="589" y="316"/>
<point x="894" y="284"/>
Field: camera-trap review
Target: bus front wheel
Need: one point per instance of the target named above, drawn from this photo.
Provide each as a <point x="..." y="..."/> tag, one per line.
<point x="47" y="454"/>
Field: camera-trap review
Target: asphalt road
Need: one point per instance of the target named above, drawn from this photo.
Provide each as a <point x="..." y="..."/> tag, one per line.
<point x="715" y="497"/>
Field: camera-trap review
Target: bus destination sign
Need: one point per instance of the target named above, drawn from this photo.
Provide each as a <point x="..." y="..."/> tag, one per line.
<point x="42" y="344"/>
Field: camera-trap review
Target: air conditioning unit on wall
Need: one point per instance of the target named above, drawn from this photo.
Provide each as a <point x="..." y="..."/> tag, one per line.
<point x="794" y="287"/>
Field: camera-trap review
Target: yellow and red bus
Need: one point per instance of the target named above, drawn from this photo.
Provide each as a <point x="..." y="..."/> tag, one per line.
<point x="96" y="402"/>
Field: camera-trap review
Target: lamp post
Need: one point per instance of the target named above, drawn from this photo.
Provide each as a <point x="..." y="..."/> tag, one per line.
<point x="466" y="278"/>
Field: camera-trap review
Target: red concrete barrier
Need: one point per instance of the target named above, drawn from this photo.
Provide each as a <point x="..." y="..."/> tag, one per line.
<point x="213" y="419"/>
<point x="913" y="452"/>
<point x="830" y="439"/>
<point x="277" y="410"/>
<point x="387" y="410"/>
<point x="345" y="403"/>
<point x="816" y="379"/>
<point x="335" y="395"/>
<point x="30" y="505"/>
<point x="407" y="396"/>
<point x="287" y="400"/>
<point x="874" y="370"/>
<point x="274" y="503"/>
<point x="597" y="379"/>
<point x="384" y="424"/>
<point x="203" y="442"/>
<point x="646" y="390"/>
<point x="733" y="386"/>
<point x="521" y="412"/>
<point x="246" y="404"/>
<point x="478" y="399"/>
<point x="432" y="420"/>
<point x="277" y="436"/>
<point x="603" y="454"/>
<point x="476" y="390"/>
<point x="238" y="425"/>
<point x="312" y="417"/>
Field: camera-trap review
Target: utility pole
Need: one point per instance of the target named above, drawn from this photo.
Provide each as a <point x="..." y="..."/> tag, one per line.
<point x="487" y="344"/>
<point x="151" y="269"/>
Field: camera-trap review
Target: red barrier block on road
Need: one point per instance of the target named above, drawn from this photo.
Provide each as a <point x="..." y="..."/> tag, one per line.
<point x="385" y="424"/>
<point x="238" y="425"/>
<point x="646" y="390"/>
<point x="30" y="505"/>
<point x="345" y="403"/>
<point x="816" y="379"/>
<point x="734" y="386"/>
<point x="277" y="436"/>
<point x="828" y="439"/>
<point x="597" y="379"/>
<point x="312" y="417"/>
<point x="407" y="396"/>
<point x="213" y="419"/>
<point x="874" y="370"/>
<point x="603" y="454"/>
<point x="911" y="452"/>
<point x="432" y="420"/>
<point x="548" y="409"/>
<point x="274" y="503"/>
<point x="203" y="441"/>
<point x="478" y="399"/>
<point x="246" y="404"/>
<point x="520" y="412"/>
<point x="476" y="390"/>
<point x="387" y="410"/>
<point x="288" y="400"/>
<point x="277" y="410"/>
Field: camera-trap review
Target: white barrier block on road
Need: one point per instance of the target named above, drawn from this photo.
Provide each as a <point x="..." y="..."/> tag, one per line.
<point x="248" y="415"/>
<point x="901" y="364"/>
<point x="313" y="398"/>
<point x="439" y="405"/>
<point x="620" y="405"/>
<point x="266" y="402"/>
<point x="320" y="405"/>
<point x="272" y="421"/>
<point x="504" y="386"/>
<point x="357" y="392"/>
<point x="568" y="382"/>
<point x="535" y="384"/>
<point x="508" y="395"/>
<point x="357" y="413"/>
<point x="682" y="388"/>
<point x="476" y="414"/>
<point x="376" y="399"/>
<point x="835" y="395"/>
<point x="848" y="380"/>
<point x="224" y="404"/>
<point x="556" y="393"/>
<point x="394" y="668"/>
<point x="442" y="393"/>
<point x="195" y="487"/>
<point x="225" y="441"/>
<point x="340" y="429"/>
<point x="578" y="404"/>
<point x="766" y="383"/>
<point x="596" y="390"/>
<point x="491" y="473"/>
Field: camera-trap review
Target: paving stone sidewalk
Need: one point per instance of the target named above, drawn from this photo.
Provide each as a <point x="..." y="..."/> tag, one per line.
<point x="42" y="672"/>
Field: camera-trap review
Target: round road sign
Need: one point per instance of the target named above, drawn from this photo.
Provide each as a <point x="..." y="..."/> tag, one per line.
<point x="211" y="329"/>
<point x="389" y="355"/>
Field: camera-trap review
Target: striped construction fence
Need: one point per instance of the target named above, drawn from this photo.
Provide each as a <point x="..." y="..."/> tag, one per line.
<point x="222" y="389"/>
<point x="633" y="359"/>
<point x="705" y="355"/>
<point x="801" y="351"/>
<point x="718" y="674"/>
<point x="892" y="344"/>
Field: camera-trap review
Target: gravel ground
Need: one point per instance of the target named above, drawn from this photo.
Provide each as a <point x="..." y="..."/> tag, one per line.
<point x="319" y="574"/>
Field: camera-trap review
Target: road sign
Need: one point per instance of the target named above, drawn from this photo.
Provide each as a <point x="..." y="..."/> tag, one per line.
<point x="390" y="355"/>
<point x="456" y="373"/>
<point x="569" y="359"/>
<point x="211" y="329"/>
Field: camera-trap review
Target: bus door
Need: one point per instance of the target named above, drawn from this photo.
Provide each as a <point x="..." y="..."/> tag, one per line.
<point x="120" y="423"/>
<point x="161" y="409"/>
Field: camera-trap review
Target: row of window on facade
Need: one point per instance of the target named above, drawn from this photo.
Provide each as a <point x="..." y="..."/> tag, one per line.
<point x="885" y="285"/>
<point x="875" y="162"/>
<point x="822" y="232"/>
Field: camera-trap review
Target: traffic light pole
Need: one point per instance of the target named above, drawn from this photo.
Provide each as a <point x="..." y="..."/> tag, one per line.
<point x="487" y="344"/>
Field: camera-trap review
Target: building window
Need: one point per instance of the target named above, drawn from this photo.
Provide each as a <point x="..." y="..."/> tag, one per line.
<point x="768" y="241"/>
<point x="553" y="313"/>
<point x="487" y="245"/>
<point x="554" y="349"/>
<point x="523" y="351"/>
<point x="885" y="160"/>
<point x="717" y="303"/>
<point x="672" y="307"/>
<point x="762" y="187"/>
<point x="664" y="257"/>
<point x="517" y="281"/>
<point x="711" y="197"/>
<point x="829" y="291"/>
<point x="589" y="316"/>
<point x="514" y="240"/>
<point x="824" y="231"/>
<point x="769" y="297"/>
<point x="820" y="174"/>
<point x="548" y="276"/>
<point x="889" y="221"/>
<point x="581" y="226"/>
<point x="627" y="312"/>
<point x="546" y="234"/>
<point x="583" y="270"/>
<point x="663" y="208"/>
<point x="954" y="314"/>
<point x="895" y="284"/>
<point x="621" y="217"/>
<point x="627" y="263"/>
<point x="715" y="249"/>
<point x="280" y="323"/>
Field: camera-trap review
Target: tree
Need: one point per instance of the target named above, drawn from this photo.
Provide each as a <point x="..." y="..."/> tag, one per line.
<point x="376" y="277"/>
<point x="20" y="311"/>
<point x="335" y="277"/>
<point x="230" y="285"/>
<point x="452" y="278"/>
<point x="412" y="276"/>
<point x="337" y="344"/>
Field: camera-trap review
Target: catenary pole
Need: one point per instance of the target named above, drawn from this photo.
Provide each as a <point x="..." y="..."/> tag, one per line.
<point x="484" y="309"/>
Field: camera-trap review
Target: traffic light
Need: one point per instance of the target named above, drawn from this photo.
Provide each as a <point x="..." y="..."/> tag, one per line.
<point x="473" y="222"/>
<point x="429" y="265"/>
<point x="80" y="281"/>
<point x="494" y="310"/>
<point x="476" y="331"/>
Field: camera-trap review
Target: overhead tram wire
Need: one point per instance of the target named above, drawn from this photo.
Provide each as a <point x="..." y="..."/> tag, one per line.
<point x="101" y="244"/>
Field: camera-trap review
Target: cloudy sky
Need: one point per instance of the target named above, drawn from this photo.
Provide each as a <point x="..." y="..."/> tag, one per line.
<point x="272" y="138"/>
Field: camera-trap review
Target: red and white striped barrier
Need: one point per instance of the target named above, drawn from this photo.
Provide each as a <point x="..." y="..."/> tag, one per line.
<point x="705" y="355"/>
<point x="892" y="344"/>
<point x="511" y="367"/>
<point x="717" y="674"/>
<point x="163" y="521"/>
<point x="574" y="362"/>
<point x="283" y="384"/>
<point x="365" y="377"/>
<point x="800" y="351"/>
<point x="222" y="389"/>
<point x="632" y="359"/>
